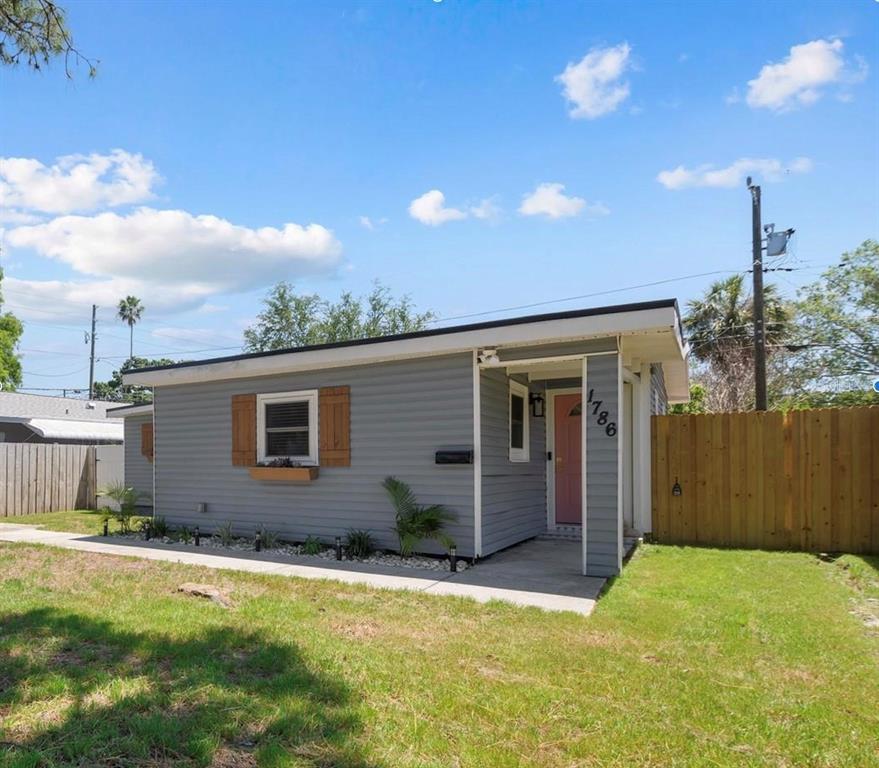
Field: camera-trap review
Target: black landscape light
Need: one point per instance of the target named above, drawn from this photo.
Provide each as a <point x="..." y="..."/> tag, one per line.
<point x="453" y="559"/>
<point x="147" y="530"/>
<point x="106" y="528"/>
<point x="197" y="535"/>
<point x="338" y="547"/>
<point x="257" y="542"/>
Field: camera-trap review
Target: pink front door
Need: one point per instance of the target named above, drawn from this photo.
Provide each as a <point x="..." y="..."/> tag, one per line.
<point x="568" y="473"/>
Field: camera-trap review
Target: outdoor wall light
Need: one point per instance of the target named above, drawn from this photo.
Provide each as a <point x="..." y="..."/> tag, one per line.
<point x="538" y="405"/>
<point x="676" y="489"/>
<point x="338" y="547"/>
<point x="201" y="507"/>
<point x="453" y="559"/>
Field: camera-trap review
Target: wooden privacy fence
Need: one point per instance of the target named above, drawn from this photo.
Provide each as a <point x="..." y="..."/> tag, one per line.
<point x="803" y="480"/>
<point x="45" y="478"/>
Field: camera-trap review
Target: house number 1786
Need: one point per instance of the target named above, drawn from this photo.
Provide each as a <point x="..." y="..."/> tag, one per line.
<point x="610" y="427"/>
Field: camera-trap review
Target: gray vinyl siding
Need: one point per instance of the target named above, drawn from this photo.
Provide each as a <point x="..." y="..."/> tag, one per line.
<point x="658" y="395"/>
<point x="513" y="493"/>
<point x="401" y="413"/>
<point x="138" y="469"/>
<point x="602" y="515"/>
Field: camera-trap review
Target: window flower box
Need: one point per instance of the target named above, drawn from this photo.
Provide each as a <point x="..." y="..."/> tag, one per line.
<point x="285" y="474"/>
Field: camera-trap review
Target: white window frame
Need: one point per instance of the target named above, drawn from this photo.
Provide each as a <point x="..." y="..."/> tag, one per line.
<point x="522" y="454"/>
<point x="306" y="395"/>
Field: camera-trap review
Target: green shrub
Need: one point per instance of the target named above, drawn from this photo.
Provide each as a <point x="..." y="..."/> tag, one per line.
<point x="160" y="527"/>
<point x="312" y="546"/>
<point x="224" y="534"/>
<point x="269" y="538"/>
<point x="415" y="522"/>
<point x="359" y="544"/>
<point x="185" y="535"/>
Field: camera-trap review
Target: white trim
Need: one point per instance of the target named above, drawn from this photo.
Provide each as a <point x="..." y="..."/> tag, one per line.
<point x="584" y="423"/>
<point x="477" y="457"/>
<point x="621" y="436"/>
<point x="519" y="455"/>
<point x="306" y="395"/>
<point x="644" y="510"/>
<point x="659" y="320"/>
<point x="550" y="448"/>
<point x="129" y="410"/>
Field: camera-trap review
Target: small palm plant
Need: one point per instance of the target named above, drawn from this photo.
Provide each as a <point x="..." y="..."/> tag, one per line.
<point x="416" y="522"/>
<point x="127" y="498"/>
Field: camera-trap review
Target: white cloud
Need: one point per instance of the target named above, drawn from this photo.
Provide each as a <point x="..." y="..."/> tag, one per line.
<point x="486" y="210"/>
<point x="372" y="225"/>
<point x="733" y="175"/>
<point x="171" y="260"/>
<point x="549" y="200"/>
<point x="10" y="216"/>
<point x="431" y="209"/>
<point x="76" y="182"/>
<point x="799" y="80"/>
<point x="594" y="85"/>
<point x="176" y="246"/>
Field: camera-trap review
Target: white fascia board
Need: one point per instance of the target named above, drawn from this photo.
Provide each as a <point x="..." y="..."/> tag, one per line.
<point x="129" y="410"/>
<point x="522" y="334"/>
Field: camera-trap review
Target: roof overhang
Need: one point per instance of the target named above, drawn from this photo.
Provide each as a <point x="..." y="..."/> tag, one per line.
<point x="64" y="429"/>
<point x="655" y="322"/>
<point x="129" y="410"/>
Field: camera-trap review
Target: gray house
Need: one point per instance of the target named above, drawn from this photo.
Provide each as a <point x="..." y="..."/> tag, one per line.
<point x="528" y="426"/>
<point x="67" y="420"/>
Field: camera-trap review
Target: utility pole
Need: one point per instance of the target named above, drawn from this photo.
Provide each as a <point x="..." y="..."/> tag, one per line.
<point x="759" y="320"/>
<point x="92" y="356"/>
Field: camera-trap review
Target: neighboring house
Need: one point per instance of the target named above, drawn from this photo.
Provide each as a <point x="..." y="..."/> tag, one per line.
<point x="488" y="419"/>
<point x="138" y="421"/>
<point x="42" y="419"/>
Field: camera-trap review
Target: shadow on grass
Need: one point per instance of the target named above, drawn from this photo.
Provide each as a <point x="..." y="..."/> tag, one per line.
<point x="74" y="690"/>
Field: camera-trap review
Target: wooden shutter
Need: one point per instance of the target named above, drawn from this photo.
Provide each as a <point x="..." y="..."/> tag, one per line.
<point x="146" y="440"/>
<point x="243" y="430"/>
<point x="334" y="408"/>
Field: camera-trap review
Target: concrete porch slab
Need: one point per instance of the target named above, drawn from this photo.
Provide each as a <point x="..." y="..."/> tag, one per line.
<point x="542" y="574"/>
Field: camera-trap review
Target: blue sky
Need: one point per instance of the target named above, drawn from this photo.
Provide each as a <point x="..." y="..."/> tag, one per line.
<point x="285" y="124"/>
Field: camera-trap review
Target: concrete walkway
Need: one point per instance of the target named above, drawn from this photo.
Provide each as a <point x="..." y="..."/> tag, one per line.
<point x="542" y="574"/>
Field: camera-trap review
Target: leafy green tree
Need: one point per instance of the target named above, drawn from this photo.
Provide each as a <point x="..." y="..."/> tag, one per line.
<point x="723" y="319"/>
<point x="697" y="401"/>
<point x="719" y="328"/>
<point x="35" y="32"/>
<point x="838" y="322"/>
<point x="130" y="311"/>
<point x="10" y="333"/>
<point x="114" y="391"/>
<point x="289" y="319"/>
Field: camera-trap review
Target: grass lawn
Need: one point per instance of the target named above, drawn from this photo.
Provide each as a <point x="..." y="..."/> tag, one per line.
<point x="76" y="521"/>
<point x="694" y="657"/>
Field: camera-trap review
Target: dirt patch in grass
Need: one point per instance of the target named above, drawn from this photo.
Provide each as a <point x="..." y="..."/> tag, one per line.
<point x="233" y="757"/>
<point x="356" y="630"/>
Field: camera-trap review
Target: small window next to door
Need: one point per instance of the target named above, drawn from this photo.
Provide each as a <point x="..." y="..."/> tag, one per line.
<point x="519" y="431"/>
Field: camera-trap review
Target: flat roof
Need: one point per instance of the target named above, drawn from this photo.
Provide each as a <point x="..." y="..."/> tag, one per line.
<point x="513" y="321"/>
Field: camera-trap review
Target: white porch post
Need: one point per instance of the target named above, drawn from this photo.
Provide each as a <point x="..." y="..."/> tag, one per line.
<point x="644" y="510"/>
<point x="584" y="422"/>
<point x="477" y="458"/>
<point x="622" y="428"/>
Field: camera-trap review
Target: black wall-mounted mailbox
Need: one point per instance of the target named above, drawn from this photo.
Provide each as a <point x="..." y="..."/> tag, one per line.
<point x="454" y="456"/>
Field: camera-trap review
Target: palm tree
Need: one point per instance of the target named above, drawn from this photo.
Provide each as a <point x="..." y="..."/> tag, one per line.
<point x="129" y="311"/>
<point x="723" y="320"/>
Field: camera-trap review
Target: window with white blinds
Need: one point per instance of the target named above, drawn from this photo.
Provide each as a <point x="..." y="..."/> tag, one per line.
<point x="287" y="426"/>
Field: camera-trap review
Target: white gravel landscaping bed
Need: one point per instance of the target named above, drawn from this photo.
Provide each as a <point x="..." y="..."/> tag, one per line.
<point x="282" y="548"/>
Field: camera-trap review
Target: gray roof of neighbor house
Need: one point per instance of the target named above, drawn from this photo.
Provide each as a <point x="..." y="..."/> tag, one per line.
<point x="21" y="406"/>
<point x="61" y="418"/>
